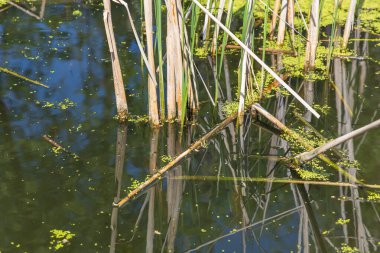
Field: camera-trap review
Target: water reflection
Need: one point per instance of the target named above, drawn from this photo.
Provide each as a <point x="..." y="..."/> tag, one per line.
<point x="41" y="190"/>
<point x="121" y="143"/>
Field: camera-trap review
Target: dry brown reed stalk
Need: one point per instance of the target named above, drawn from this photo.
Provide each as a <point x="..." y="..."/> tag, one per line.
<point x="313" y="34"/>
<point x="42" y="9"/>
<point x="290" y="18"/>
<point x="349" y="23"/>
<point x="273" y="24"/>
<point x="152" y="89"/>
<point x="121" y="99"/>
<point x="174" y="60"/>
<point x="282" y="25"/>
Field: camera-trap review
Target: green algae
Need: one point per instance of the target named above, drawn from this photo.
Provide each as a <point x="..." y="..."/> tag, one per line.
<point x="77" y="13"/>
<point x="61" y="105"/>
<point x="60" y="238"/>
<point x="345" y="248"/>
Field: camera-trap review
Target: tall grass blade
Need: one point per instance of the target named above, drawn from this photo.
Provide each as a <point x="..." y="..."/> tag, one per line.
<point x="158" y="4"/>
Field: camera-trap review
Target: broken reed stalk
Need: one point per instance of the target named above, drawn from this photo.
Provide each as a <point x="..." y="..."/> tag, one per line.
<point x="254" y="56"/>
<point x="298" y="138"/>
<point x="10" y="72"/>
<point x="312" y="38"/>
<point x="121" y="99"/>
<point x="349" y="23"/>
<point x="306" y="156"/>
<point x="152" y="89"/>
<point x="199" y="143"/>
<point x="282" y="26"/>
<point x="42" y="9"/>
<point x="290" y="18"/>
<point x="174" y="72"/>
<point x="274" y="18"/>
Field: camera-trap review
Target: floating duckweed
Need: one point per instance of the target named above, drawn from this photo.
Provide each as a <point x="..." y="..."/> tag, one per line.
<point x="347" y="249"/>
<point x="77" y="13"/>
<point x="342" y="221"/>
<point x="230" y="108"/>
<point x="62" y="105"/>
<point x="201" y="52"/>
<point x="311" y="175"/>
<point x="137" y="119"/>
<point x="322" y="109"/>
<point x="57" y="150"/>
<point x="373" y="196"/>
<point x="136" y="183"/>
<point x="60" y="238"/>
<point x="48" y="105"/>
<point x="166" y="158"/>
<point x="66" y="104"/>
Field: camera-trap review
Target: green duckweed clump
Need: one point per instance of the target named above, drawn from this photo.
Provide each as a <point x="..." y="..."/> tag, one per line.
<point x="61" y="105"/>
<point x="347" y="249"/>
<point x="373" y="196"/>
<point x="77" y="13"/>
<point x="60" y="238"/>
<point x="313" y="169"/>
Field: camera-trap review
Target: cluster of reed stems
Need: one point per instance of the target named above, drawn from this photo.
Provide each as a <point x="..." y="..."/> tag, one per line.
<point x="169" y="58"/>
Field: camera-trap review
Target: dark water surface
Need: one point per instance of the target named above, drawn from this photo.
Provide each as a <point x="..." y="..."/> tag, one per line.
<point x="44" y="189"/>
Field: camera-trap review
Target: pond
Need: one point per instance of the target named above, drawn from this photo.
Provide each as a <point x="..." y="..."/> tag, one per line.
<point x="65" y="159"/>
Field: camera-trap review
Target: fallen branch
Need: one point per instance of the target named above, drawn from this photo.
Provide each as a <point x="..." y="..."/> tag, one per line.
<point x="306" y="156"/>
<point x="10" y="72"/>
<point x="198" y="144"/>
